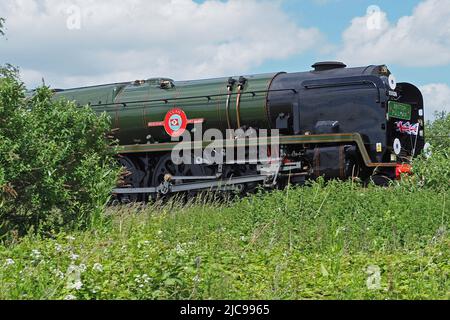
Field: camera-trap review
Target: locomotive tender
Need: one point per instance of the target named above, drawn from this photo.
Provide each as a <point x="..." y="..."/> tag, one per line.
<point x="333" y="121"/>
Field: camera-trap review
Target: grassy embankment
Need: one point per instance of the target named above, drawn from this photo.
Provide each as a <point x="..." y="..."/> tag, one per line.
<point x="319" y="242"/>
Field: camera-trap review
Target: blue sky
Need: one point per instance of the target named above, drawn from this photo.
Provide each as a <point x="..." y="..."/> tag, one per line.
<point x="83" y="42"/>
<point x="332" y="17"/>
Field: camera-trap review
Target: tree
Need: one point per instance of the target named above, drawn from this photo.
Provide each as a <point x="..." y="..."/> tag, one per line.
<point x="57" y="169"/>
<point x="434" y="171"/>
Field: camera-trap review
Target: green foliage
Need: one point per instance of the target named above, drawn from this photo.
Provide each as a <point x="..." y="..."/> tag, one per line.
<point x="438" y="132"/>
<point x="434" y="171"/>
<point x="318" y="242"/>
<point x="56" y="167"/>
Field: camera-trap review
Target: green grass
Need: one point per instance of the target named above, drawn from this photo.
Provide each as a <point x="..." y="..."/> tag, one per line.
<point x="305" y="243"/>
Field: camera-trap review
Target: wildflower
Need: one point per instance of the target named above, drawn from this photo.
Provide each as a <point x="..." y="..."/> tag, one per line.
<point x="146" y="278"/>
<point x="36" y="255"/>
<point x="179" y="249"/>
<point x="74" y="278"/>
<point x="58" y="247"/>
<point x="196" y="279"/>
<point x="9" y="262"/>
<point x="82" y="267"/>
<point x="70" y="297"/>
<point x="137" y="278"/>
<point x="77" y="285"/>
<point x="98" y="267"/>
<point x="69" y="238"/>
<point x="74" y="257"/>
<point x="59" y="274"/>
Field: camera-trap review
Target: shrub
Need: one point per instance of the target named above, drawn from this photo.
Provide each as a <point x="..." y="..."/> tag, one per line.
<point x="434" y="171"/>
<point x="56" y="167"/>
<point x="438" y="132"/>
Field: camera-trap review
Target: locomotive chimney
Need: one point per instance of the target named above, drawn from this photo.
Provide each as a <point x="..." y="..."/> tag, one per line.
<point x="328" y="65"/>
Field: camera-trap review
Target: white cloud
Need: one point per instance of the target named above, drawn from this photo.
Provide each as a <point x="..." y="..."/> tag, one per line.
<point x="419" y="40"/>
<point x="436" y="98"/>
<point x="125" y="40"/>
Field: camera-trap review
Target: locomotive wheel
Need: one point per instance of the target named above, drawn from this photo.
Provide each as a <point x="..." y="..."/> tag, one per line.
<point x="166" y="166"/>
<point x="380" y="180"/>
<point x="132" y="178"/>
<point x="241" y="171"/>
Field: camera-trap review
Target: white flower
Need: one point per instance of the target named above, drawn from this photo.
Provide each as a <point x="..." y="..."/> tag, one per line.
<point x="82" y="267"/>
<point x="70" y="297"/>
<point x="98" y="267"/>
<point x="146" y="278"/>
<point x="69" y="238"/>
<point x="179" y="249"/>
<point x="71" y="269"/>
<point x="74" y="278"/>
<point x="58" y="247"/>
<point x="196" y="279"/>
<point x="59" y="274"/>
<point x="77" y="285"/>
<point x="9" y="262"/>
<point x="74" y="257"/>
<point x="35" y="254"/>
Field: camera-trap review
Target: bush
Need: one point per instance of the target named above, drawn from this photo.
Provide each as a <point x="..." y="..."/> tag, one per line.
<point x="56" y="167"/>
<point x="434" y="171"/>
<point x="438" y="132"/>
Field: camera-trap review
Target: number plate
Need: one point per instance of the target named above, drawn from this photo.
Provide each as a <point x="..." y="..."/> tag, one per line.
<point x="400" y="110"/>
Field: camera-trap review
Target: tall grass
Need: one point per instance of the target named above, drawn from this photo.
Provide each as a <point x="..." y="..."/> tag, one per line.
<point x="318" y="242"/>
<point x="325" y="241"/>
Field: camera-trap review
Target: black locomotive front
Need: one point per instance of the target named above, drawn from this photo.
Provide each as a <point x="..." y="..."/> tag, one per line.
<point x="333" y="99"/>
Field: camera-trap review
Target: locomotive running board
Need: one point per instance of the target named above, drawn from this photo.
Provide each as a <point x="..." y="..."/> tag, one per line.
<point x="282" y="140"/>
<point x="166" y="188"/>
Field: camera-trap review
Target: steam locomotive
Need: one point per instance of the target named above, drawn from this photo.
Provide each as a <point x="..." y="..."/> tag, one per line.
<point x="333" y="122"/>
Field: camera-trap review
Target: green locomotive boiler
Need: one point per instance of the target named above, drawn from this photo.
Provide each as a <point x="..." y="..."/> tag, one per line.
<point x="332" y="121"/>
